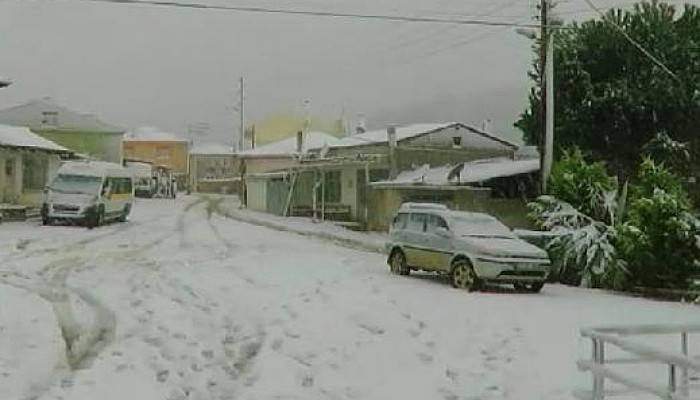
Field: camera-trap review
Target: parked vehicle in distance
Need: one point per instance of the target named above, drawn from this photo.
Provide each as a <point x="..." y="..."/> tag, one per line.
<point x="142" y="172"/>
<point x="471" y="247"/>
<point x="88" y="192"/>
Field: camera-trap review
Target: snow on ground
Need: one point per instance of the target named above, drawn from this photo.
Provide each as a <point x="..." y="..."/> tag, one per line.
<point x="183" y="302"/>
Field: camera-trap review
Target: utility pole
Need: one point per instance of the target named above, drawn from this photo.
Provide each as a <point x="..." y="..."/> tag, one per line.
<point x="545" y="139"/>
<point x="548" y="155"/>
<point x="241" y="129"/>
<point x="544" y="11"/>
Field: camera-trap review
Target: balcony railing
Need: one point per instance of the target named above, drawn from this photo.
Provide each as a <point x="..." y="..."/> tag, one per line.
<point x="680" y="365"/>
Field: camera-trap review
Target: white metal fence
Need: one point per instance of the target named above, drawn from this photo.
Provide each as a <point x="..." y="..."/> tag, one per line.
<point x="680" y="364"/>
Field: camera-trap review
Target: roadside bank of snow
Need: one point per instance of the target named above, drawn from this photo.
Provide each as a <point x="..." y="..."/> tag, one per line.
<point x="230" y="206"/>
<point x="30" y="344"/>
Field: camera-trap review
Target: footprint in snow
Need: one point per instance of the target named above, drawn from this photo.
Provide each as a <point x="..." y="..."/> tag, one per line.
<point x="375" y="330"/>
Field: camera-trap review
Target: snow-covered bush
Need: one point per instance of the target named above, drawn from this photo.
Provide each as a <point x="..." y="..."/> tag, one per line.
<point x="651" y="239"/>
<point x="581" y="183"/>
<point x="659" y="241"/>
<point x="583" y="248"/>
<point x="674" y="154"/>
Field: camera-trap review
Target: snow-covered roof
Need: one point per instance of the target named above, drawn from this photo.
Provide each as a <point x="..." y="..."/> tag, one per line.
<point x="408" y="132"/>
<point x="288" y="147"/>
<point x="479" y="171"/>
<point x="33" y="114"/>
<point x="469" y="172"/>
<point x="15" y="136"/>
<point x="212" y="149"/>
<point x="151" y="134"/>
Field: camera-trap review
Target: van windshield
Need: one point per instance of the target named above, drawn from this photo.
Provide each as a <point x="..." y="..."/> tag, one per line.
<point x="78" y="184"/>
<point x="480" y="227"/>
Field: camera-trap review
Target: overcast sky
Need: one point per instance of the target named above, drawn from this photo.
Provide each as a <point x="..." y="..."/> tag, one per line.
<point x="136" y="65"/>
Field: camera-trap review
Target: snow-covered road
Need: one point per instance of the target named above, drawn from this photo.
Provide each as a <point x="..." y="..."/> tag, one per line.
<point x="184" y="303"/>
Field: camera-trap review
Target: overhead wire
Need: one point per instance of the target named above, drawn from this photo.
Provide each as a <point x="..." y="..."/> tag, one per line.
<point x="315" y="13"/>
<point x="636" y="44"/>
<point x="492" y="12"/>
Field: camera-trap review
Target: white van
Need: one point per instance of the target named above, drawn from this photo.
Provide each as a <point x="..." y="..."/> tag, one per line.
<point x="89" y="192"/>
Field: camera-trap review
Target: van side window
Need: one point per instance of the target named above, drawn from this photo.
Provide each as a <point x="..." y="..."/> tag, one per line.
<point x="417" y="222"/>
<point x="400" y="221"/>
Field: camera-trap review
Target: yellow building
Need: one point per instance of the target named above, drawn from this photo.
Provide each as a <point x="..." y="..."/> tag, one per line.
<point x="158" y="148"/>
<point x="286" y="125"/>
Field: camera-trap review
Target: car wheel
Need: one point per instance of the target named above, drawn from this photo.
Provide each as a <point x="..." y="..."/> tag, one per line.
<point x="46" y="221"/>
<point x="533" y="287"/>
<point x="398" y="264"/>
<point x="463" y="276"/>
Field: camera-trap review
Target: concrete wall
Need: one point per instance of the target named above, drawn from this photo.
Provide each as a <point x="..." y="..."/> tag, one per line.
<point x="10" y="176"/>
<point x="384" y="203"/>
<point x="259" y="165"/>
<point x="408" y="157"/>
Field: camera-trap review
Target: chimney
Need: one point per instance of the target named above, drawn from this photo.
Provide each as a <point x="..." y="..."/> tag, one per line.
<point x="486" y="125"/>
<point x="391" y="135"/>
<point x="361" y="124"/>
<point x="300" y="142"/>
<point x="391" y="140"/>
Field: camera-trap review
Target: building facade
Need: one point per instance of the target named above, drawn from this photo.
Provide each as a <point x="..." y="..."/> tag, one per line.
<point x="161" y="149"/>
<point x="81" y="133"/>
<point x="27" y="164"/>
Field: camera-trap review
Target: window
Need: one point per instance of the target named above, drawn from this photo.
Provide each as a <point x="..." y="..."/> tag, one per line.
<point x="34" y="169"/>
<point x="435" y="222"/>
<point x="400" y="221"/>
<point x="119" y="185"/>
<point x="376" y="175"/>
<point x="417" y="222"/>
<point x="49" y="118"/>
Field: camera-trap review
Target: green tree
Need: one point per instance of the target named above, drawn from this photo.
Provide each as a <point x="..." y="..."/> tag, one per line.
<point x="611" y="99"/>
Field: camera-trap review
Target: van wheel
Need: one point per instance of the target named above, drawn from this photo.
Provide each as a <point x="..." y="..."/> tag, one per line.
<point x="463" y="276"/>
<point x="125" y="213"/>
<point x="532" y="287"/>
<point x="97" y="219"/>
<point x="397" y="265"/>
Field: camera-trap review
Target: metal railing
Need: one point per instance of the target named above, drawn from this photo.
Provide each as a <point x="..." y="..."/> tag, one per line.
<point x="680" y="365"/>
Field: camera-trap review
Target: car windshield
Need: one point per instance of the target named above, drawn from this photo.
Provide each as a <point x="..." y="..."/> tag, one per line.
<point x="480" y="227"/>
<point x="78" y="184"/>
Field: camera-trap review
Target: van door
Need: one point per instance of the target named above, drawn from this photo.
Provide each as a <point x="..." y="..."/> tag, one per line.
<point x="122" y="194"/>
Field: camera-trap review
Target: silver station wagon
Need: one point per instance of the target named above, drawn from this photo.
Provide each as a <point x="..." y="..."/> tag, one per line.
<point x="471" y="247"/>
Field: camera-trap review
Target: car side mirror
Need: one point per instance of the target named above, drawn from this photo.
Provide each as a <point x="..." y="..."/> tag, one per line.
<point x="444" y="232"/>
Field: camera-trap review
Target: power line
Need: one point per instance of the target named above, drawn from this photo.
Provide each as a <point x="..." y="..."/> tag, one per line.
<point x="311" y="13"/>
<point x="492" y="12"/>
<point x="634" y="42"/>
